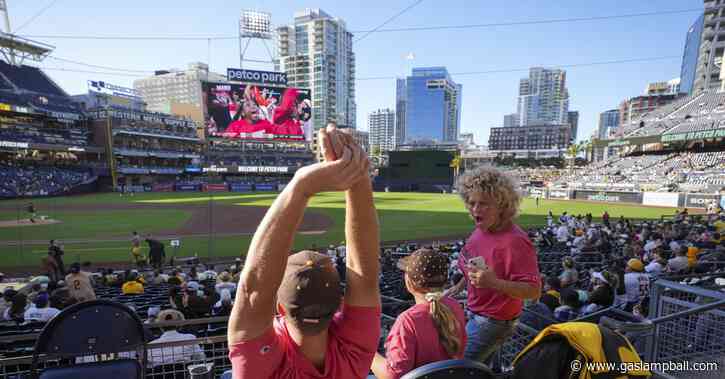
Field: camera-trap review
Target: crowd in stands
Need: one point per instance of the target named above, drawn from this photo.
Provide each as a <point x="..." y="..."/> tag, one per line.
<point x="703" y="171"/>
<point x="16" y="181"/>
<point x="46" y="135"/>
<point x="134" y="128"/>
<point x="151" y="145"/>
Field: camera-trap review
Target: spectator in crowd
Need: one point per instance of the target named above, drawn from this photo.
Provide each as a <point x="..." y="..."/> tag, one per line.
<point x="224" y="282"/>
<point x="309" y="339"/>
<point x="431" y="330"/>
<point x="636" y="283"/>
<point x="175" y="278"/>
<point x="156" y="252"/>
<point x="540" y="314"/>
<point x="60" y="297"/>
<point x="176" y="297"/>
<point x="679" y="262"/>
<point x="56" y="250"/>
<point x="552" y="286"/>
<point x="223" y="307"/>
<point x="657" y="263"/>
<point x="110" y="278"/>
<point x="562" y="233"/>
<point x="16" y="303"/>
<point x="569" y="308"/>
<point x="49" y="267"/>
<point x="498" y="262"/>
<point x="133" y="285"/>
<point x="175" y="354"/>
<point x="80" y="284"/>
<point x="570" y="276"/>
<point x="198" y="301"/>
<point x="39" y="310"/>
<point x="139" y="259"/>
<point x="602" y="294"/>
<point x="160" y="277"/>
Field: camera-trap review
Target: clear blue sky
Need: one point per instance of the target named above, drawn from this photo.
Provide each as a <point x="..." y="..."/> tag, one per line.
<point x="486" y="98"/>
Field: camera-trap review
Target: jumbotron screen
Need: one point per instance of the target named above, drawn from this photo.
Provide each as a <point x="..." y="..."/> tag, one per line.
<point x="250" y="111"/>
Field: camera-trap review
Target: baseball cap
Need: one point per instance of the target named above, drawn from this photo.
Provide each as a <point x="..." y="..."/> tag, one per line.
<point x="310" y="291"/>
<point x="170" y="315"/>
<point x="41" y="300"/>
<point x="635" y="264"/>
<point x="425" y="268"/>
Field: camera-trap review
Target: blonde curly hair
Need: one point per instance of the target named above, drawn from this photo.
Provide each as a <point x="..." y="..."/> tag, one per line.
<point x="495" y="185"/>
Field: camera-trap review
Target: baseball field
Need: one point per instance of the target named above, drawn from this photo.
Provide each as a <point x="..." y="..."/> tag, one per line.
<point x="98" y="227"/>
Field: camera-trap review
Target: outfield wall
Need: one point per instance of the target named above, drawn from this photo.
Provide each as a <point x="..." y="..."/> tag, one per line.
<point x="661" y="199"/>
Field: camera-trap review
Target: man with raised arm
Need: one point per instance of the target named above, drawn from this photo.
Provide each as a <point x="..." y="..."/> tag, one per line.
<point x="317" y="333"/>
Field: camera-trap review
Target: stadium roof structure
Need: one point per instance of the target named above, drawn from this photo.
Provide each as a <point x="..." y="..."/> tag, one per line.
<point x="16" y="49"/>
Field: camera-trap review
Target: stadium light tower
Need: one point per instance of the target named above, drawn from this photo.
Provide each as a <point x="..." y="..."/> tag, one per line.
<point x="16" y="49"/>
<point x="254" y="25"/>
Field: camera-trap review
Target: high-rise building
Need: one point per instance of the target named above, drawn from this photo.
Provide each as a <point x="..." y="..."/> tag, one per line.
<point x="531" y="141"/>
<point x="711" y="48"/>
<point x="168" y="89"/>
<point x="400" y="103"/>
<point x="608" y="121"/>
<point x="670" y="87"/>
<point x="543" y="98"/>
<point x="510" y="120"/>
<point x="316" y="53"/>
<point x="690" y="55"/>
<point x="432" y="106"/>
<point x="635" y="107"/>
<point x="573" y="121"/>
<point x="381" y="128"/>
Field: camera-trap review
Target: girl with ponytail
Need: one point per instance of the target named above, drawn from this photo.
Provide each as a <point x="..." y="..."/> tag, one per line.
<point x="431" y="330"/>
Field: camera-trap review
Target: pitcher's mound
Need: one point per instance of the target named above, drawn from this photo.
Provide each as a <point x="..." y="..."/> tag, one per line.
<point x="26" y="222"/>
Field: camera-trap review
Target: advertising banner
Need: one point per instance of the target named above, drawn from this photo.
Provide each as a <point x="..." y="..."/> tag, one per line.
<point x="561" y="194"/>
<point x="699" y="200"/>
<point x="162" y="187"/>
<point x="263" y="169"/>
<point x="536" y="192"/>
<point x="608" y="196"/>
<point x="187" y="187"/>
<point x="240" y="187"/>
<point x="662" y="199"/>
<point x="266" y="187"/>
<point x="114" y="90"/>
<point x="248" y="111"/>
<point x="253" y="76"/>
<point x="215" y="188"/>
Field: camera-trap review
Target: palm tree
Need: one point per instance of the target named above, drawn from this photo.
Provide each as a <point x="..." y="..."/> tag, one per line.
<point x="456" y="164"/>
<point x="571" y="152"/>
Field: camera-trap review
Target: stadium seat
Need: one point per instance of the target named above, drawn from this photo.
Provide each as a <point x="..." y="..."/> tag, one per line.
<point x="226" y="375"/>
<point x="451" y="369"/>
<point x="83" y="332"/>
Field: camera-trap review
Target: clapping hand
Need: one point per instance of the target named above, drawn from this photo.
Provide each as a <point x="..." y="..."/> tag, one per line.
<point x="345" y="164"/>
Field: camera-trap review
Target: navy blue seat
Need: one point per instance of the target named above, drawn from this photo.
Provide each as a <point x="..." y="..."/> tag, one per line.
<point x="226" y="375"/>
<point x="89" y="332"/>
<point x="451" y="369"/>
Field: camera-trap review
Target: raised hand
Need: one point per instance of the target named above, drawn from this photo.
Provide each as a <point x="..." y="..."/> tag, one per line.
<point x="338" y="175"/>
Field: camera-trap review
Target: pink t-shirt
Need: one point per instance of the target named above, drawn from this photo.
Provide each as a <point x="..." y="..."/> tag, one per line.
<point x="512" y="256"/>
<point x="353" y="341"/>
<point x="413" y="340"/>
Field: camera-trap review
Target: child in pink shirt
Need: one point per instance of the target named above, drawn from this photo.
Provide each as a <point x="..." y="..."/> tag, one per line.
<point x="433" y="329"/>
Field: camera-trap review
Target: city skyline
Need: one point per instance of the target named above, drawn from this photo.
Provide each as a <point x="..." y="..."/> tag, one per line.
<point x="479" y="58"/>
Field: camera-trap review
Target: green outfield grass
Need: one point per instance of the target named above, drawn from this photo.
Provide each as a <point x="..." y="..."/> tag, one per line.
<point x="403" y="216"/>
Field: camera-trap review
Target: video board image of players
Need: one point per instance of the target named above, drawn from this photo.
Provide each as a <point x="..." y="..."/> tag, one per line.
<point x="252" y="111"/>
